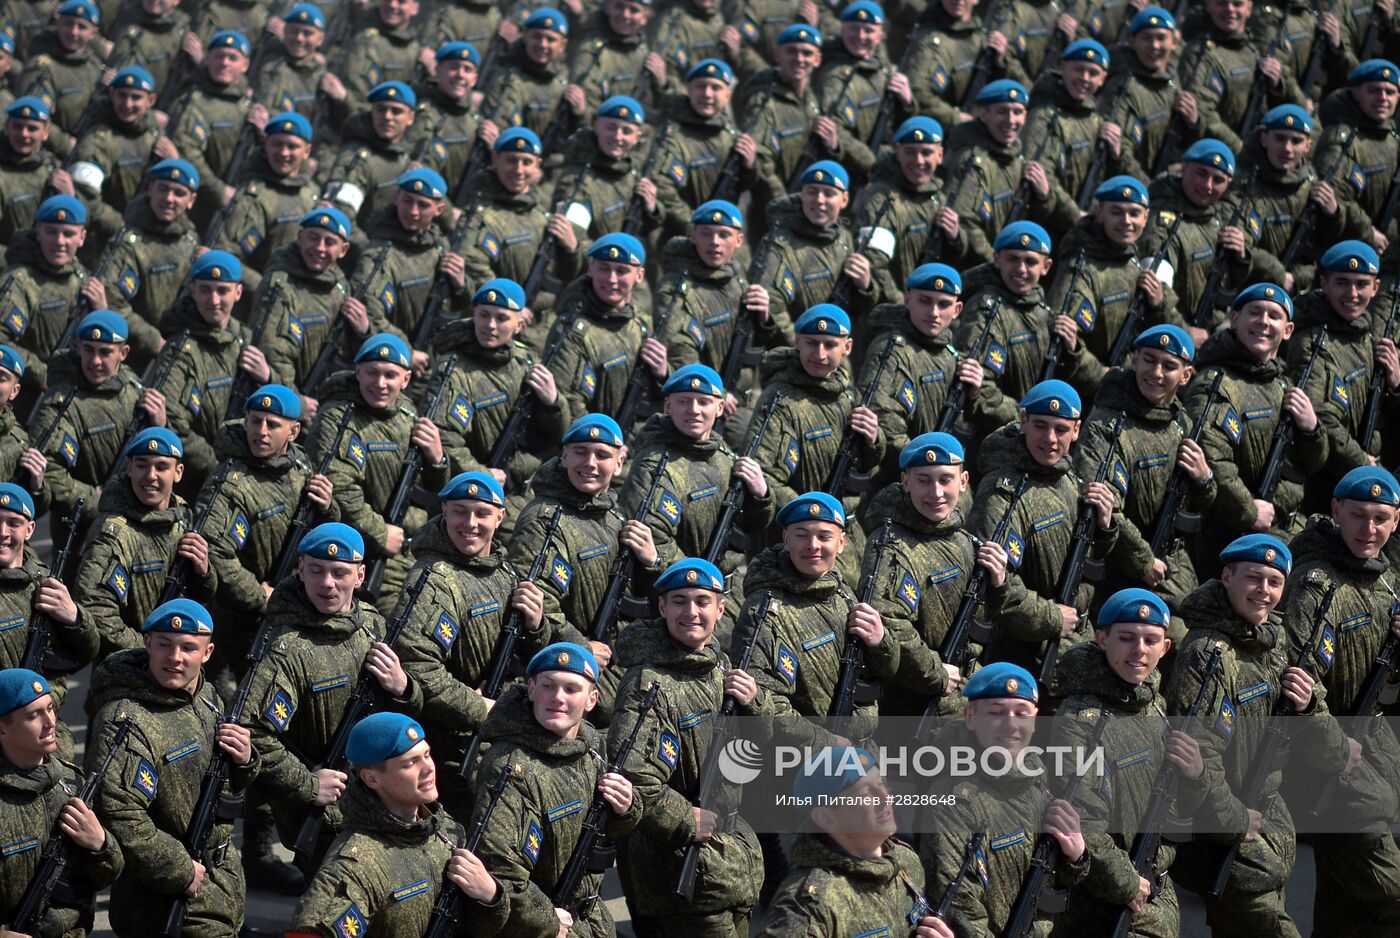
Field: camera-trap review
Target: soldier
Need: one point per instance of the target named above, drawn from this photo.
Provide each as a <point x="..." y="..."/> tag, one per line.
<point x="20" y="460"/>
<point x="322" y="637"/>
<point x="529" y="83"/>
<point x="63" y="65"/>
<point x="25" y="165"/>
<point x="397" y="833"/>
<point x="1359" y="127"/>
<point x="1031" y="26"/>
<point x="1237" y="614"/>
<point x="40" y="788"/>
<point x="1038" y="541"/>
<point x="610" y="57"/>
<point x="688" y="33"/>
<point x="948" y="52"/>
<point x="856" y="74"/>
<point x="211" y="118"/>
<point x="148" y="796"/>
<point x="153" y="37"/>
<point x="448" y="121"/>
<point x="603" y="169"/>
<point x="555" y="762"/>
<point x="384" y="47"/>
<point x="294" y="70"/>
<point x="1154" y="103"/>
<point x="29" y="589"/>
<point x="376" y="152"/>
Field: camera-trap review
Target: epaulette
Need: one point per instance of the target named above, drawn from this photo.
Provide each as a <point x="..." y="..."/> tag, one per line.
<point x="371" y="31"/>
<point x="41" y="60"/>
<point x="1315" y="575"/>
<point x="113" y="524"/>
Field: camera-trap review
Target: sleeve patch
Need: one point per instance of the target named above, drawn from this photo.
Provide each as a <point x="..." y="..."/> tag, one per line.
<point x="560" y="573"/>
<point x="909" y="593"/>
<point x="670" y="507"/>
<point x="996" y="358"/>
<point x="462" y="412"/>
<point x="445" y="632"/>
<point x="250" y="241"/>
<point x="668" y="749"/>
<point x="147" y="779"/>
<point x="294" y="327"/>
<point x="118" y="582"/>
<point x="239" y="530"/>
<point x="69" y="448"/>
<point x="355" y="451"/>
<point x="280" y="711"/>
<point x="1015" y="549"/>
<point x="1225" y="719"/>
<point x="351" y="923"/>
<point x="16" y="322"/>
<point x="791" y="455"/>
<point x="589" y="381"/>
<point x="787" y="664"/>
<point x="129" y="283"/>
<point x="1231" y="423"/>
<point x="534" y="837"/>
<point x="908" y="396"/>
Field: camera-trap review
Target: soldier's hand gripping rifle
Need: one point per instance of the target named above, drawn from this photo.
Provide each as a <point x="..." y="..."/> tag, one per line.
<point x="972" y="856"/>
<point x="443" y="287"/>
<point x="1253" y="797"/>
<point x="566" y="886"/>
<point x="330" y="351"/>
<point x="447" y="911"/>
<point x="408" y="476"/>
<point x="1201" y="318"/>
<point x="742" y="336"/>
<point x="937" y="241"/>
<point x="1148" y="840"/>
<point x="605" y="618"/>
<point x="890" y="101"/>
<point x="1313" y="69"/>
<point x="1057" y="344"/>
<point x="1287" y="427"/>
<point x="28" y="914"/>
<point x="1303" y="228"/>
<point x="1025" y="191"/>
<point x="841" y="290"/>
<point x="728" y="179"/>
<point x="843" y="698"/>
<point x="1085" y="524"/>
<point x="522" y="412"/>
<point x="81" y="304"/>
<point x="1164" y="530"/>
<point x="1128" y="332"/>
<point x="1259" y="89"/>
<point x="982" y="65"/>
<point x="814" y="147"/>
<point x="306" y="508"/>
<point x="563" y="117"/>
<point x="1371" y="419"/>
<point x="357" y="707"/>
<point x="37" y="650"/>
<point x="839" y="478"/>
<point x="511" y="631"/>
<point x="177" y="581"/>
<point x="1392" y="203"/>
<point x="534" y="280"/>
<point x="211" y="787"/>
<point x="163" y="366"/>
<point x="734" y="494"/>
<point x="957" y="395"/>
<point x="636" y="216"/>
<point x="42" y="441"/>
<point x="1177" y="126"/>
<point x="1045" y="855"/>
<point x="1094" y="175"/>
<point x="243" y="381"/>
<point x="642" y="379"/>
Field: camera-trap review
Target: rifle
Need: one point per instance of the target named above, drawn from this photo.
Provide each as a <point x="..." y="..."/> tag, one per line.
<point x="408" y="476"/>
<point x="812" y="149"/>
<point x="331" y="349"/>
<point x="41" y="443"/>
<point x="1176" y="126"/>
<point x="1045" y="855"/>
<point x="27" y="915"/>
<point x="841" y="290"/>
<point x="710" y="776"/>
<point x="1080" y="541"/>
<point x="934" y="245"/>
<point x="743" y="321"/>
<point x="450" y="899"/>
<point x="972" y="852"/>
<point x="621" y="574"/>
<point x="442" y="286"/>
<point x="36" y="647"/>
<point x="837" y="480"/>
<point x="1372" y="417"/>
<point x="1259" y="88"/>
<point x="357" y="707"/>
<point x="243" y="381"/>
<point x="734" y="163"/>
<point x="1371" y="36"/>
<point x="636" y="206"/>
<point x="176" y="581"/>
<point x="577" y="866"/>
<point x="140" y="417"/>
<point x="1314" y="66"/>
<point x="889" y="103"/>
<point x="1392" y="203"/>
<point x="563" y="115"/>
<point x="734" y="494"/>
<point x="642" y="379"/>
<point x="1285" y="428"/>
<point x="301" y="519"/>
<point x="81" y="304"/>
<point x="957" y="395"/>
<point x="1302" y="229"/>
<point x="1022" y="201"/>
<point x="1164" y="531"/>
<point x="504" y="653"/>
<point x="843" y="698"/>
<point x="548" y="243"/>
<point x="982" y="67"/>
<point x="1262" y="766"/>
<point x="1100" y="161"/>
<point x="1201" y="318"/>
<point x="211" y="788"/>
<point x="1143" y="853"/>
<point x="1057" y="344"/>
<point x="522" y="412"/>
<point x="1128" y="332"/>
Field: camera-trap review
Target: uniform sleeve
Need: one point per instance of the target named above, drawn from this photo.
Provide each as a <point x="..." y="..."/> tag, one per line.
<point x="1210" y="93"/>
<point x="1342" y="447"/>
<point x="243" y="228"/>
<point x="663" y="529"/>
<point x="1322" y="744"/>
<point x="190" y="137"/>
<point x="179" y="393"/>
<point x="666" y="813"/>
<point x="525" y="545"/>
<point x="348" y="482"/>
<point x="344" y="887"/>
<point x="62" y="487"/>
<point x="1035" y="618"/>
<point x="920" y="668"/>
<point x="1221" y="809"/>
<point x="273" y="702"/>
<point x="992" y="408"/>
<point x="102" y="588"/>
<point x="123" y="284"/>
<point x="1131" y="554"/>
<point x="102" y="868"/>
<point x="378" y="295"/>
<point x="508" y="834"/>
<point x="942" y="850"/>
<point x="447" y="701"/>
<point x="797" y="912"/>
<point x="572" y="372"/>
<point x="1234" y="503"/>
<point x="775" y="691"/>
<point x="1111" y="876"/>
<point x="280" y="345"/>
<point x="778" y="452"/>
<point x="228" y="525"/>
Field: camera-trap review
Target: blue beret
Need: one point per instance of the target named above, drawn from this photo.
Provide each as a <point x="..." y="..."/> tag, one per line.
<point x="1212" y="153"/>
<point x="1167" y="338"/>
<point x="1001" y="680"/>
<point x="548" y="18"/>
<point x="81" y="9"/>
<point x="7" y="42"/>
<point x="936" y="278"/>
<point x="827" y="173"/>
<point x="474" y="486"/>
<point x="290" y="123"/>
<point x="425" y="182"/>
<point x="691" y="573"/>
<point x="177" y="171"/>
<point x="1287" y="117"/>
<point x="1122" y="189"/>
<point x="1268" y="292"/>
<point x="62" y="210"/>
<point x="135" y="77"/>
<point x="823" y="319"/>
<point x="103" y="325"/>
<point x="621" y="107"/>
<point x="20" y="687"/>
<point x="393" y="92"/>
<point x="217" y="265"/>
<point x="931" y="449"/>
<point x="814" y="506"/>
<point x="333" y="541"/>
<point x="718" y="212"/>
<point x="1053" y="398"/>
<point x="330" y="218"/>
<point x="13" y="498"/>
<point x="382" y="736"/>
<point x="831" y="771"/>
<point x="1151" y="18"/>
<point x="800" y="32"/>
<point x="1375" y="70"/>
<point x="1259" y="548"/>
<point x="711" y="68"/>
<point x="385" y="347"/>
<point x="594" y="428"/>
<point x="456" y="51"/>
<point x="1351" y="257"/>
<point x="1369" y="484"/>
<point x="518" y="140"/>
<point x="156" y="441"/>
<point x="564" y="656"/>
<point x="230" y="39"/>
<point x="29" y="108"/>
<point x="919" y="130"/>
<point x="179" y="616"/>
<point x="1134" y="605"/>
<point x="276" y="399"/>
<point x="863" y="11"/>
<point x="10" y="360"/>
<point x="694" y="379"/>
<point x="619" y="248"/>
<point x="306" y="14"/>
<point x="1003" y="91"/>
<point x="1086" y="50"/>
<point x="501" y="292"/>
<point x="1023" y="236"/>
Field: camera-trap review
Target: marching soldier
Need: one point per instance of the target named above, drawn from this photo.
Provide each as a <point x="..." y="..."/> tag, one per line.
<point x="63" y="64"/>
<point x="376" y="151"/>
<point x="855" y="75"/>
<point x="25" y="165"/>
<point x="1359" y="128"/>
<point x="294" y="69"/>
<point x="530" y="82"/>
<point x="152" y="37"/>
<point x="382" y="49"/>
<point x="1159" y="116"/>
<point x="949" y="54"/>
<point x="603" y="168"/>
<point x="211" y="118"/>
<point x="609" y="56"/>
<point x="22" y="462"/>
<point x="446" y="116"/>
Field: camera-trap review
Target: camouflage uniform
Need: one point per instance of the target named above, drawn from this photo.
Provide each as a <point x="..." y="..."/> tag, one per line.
<point x="298" y="304"/>
<point x="445" y="129"/>
<point x="805" y="265"/>
<point x="263" y="216"/>
<point x="511" y="226"/>
<point x="1225" y="75"/>
<point x="398" y="296"/>
<point x="850" y="90"/>
<point x="521" y="93"/>
<point x="376" y="53"/>
<point x="40" y="298"/>
<point x="941" y="68"/>
<point x="830" y="892"/>
<point x="607" y="185"/>
<point x="685" y="33"/>
<point x="370" y="163"/>
<point x="287" y="84"/>
<point x="688" y="167"/>
<point x="152" y="41"/>
<point x="1147" y="109"/>
<point x="63" y="77"/>
<point x="1372" y="152"/>
<point x="910" y="218"/>
<point x="211" y="119"/>
<point x="147" y="272"/>
<point x="22" y="179"/>
<point x="598" y="355"/>
<point x="465" y="20"/>
<point x="603" y="62"/>
<point x="76" y="643"/>
<point x="120" y="152"/>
